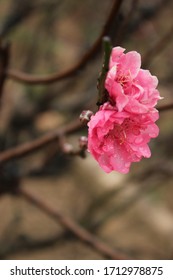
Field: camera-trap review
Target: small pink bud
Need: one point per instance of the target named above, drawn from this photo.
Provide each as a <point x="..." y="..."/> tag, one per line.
<point x="67" y="148"/>
<point x="83" y="142"/>
<point x="85" y="116"/>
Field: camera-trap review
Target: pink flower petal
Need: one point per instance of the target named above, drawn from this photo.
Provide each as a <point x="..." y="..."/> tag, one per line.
<point x="117" y="52"/>
<point x="116" y="139"/>
<point x="130" y="64"/>
<point x="146" y="80"/>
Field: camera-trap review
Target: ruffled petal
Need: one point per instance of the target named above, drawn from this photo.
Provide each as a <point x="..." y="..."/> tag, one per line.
<point x="117" y="52"/>
<point x="130" y="64"/>
<point x="146" y="80"/>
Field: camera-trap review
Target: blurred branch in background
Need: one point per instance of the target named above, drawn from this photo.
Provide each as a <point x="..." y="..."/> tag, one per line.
<point x="93" y="51"/>
<point x="19" y="10"/>
<point x="90" y="54"/>
<point x="68" y="223"/>
<point x="157" y="48"/>
<point x="124" y="26"/>
<point x="165" y="107"/>
<point x="148" y="10"/>
<point x="29" y="147"/>
<point x="4" y="59"/>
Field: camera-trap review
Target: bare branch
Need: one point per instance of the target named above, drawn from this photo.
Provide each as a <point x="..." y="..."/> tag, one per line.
<point x="32" y="79"/>
<point x="122" y="30"/>
<point x="165" y="107"/>
<point x="71" y="225"/>
<point x="4" y="58"/>
<point x="33" y="145"/>
<point x="157" y="48"/>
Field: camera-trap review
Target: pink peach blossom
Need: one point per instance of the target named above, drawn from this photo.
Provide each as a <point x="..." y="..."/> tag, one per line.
<point x="129" y="87"/>
<point x="116" y="139"/>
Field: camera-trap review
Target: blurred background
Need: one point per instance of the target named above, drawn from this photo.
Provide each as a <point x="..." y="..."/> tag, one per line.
<point x="134" y="212"/>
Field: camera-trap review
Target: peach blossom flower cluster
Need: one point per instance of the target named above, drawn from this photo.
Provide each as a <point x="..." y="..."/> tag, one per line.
<point x="120" y="131"/>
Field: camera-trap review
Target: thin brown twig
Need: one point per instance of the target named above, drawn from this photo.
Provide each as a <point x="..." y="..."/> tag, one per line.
<point x="121" y="208"/>
<point x="4" y="59"/>
<point x="165" y="107"/>
<point x="123" y="27"/>
<point x="33" y="79"/>
<point x="71" y="225"/>
<point x="147" y="14"/>
<point x="68" y="149"/>
<point x="25" y="243"/>
<point x="157" y="48"/>
<point x="42" y="141"/>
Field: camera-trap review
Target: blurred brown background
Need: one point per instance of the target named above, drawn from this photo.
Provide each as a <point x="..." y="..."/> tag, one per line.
<point x="134" y="212"/>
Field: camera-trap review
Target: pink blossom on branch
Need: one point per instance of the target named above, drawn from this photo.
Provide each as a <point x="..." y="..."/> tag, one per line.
<point x="116" y="139"/>
<point x="120" y="131"/>
<point x="129" y="87"/>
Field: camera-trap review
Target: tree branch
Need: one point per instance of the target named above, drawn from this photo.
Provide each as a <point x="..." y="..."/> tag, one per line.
<point x="36" y="144"/>
<point x="71" y="225"/>
<point x="157" y="48"/>
<point x="33" y="79"/>
<point x="4" y="58"/>
<point x="123" y="28"/>
<point x="102" y="92"/>
<point x="165" y="107"/>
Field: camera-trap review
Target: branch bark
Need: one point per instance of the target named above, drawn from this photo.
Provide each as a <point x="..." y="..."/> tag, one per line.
<point x="4" y="59"/>
<point x="91" y="53"/>
<point x="42" y="141"/>
<point x="72" y="226"/>
<point x="157" y="48"/>
<point x="165" y="107"/>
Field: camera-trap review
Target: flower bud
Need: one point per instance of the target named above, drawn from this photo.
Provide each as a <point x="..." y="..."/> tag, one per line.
<point x="67" y="148"/>
<point x="85" y="116"/>
<point x="83" y="142"/>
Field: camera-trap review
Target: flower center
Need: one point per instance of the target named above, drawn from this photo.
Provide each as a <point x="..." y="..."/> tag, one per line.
<point x="117" y="134"/>
<point x="120" y="132"/>
<point x="123" y="79"/>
